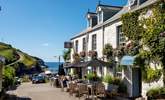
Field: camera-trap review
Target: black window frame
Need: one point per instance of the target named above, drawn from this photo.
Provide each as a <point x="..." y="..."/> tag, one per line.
<point x="94" y="42"/>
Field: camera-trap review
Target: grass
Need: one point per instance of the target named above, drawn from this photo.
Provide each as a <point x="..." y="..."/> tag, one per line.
<point x="28" y="60"/>
<point x="7" y="53"/>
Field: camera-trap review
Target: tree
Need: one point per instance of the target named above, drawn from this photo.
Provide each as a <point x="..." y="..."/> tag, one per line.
<point x="66" y="55"/>
<point x="61" y="70"/>
<point x="8" y="76"/>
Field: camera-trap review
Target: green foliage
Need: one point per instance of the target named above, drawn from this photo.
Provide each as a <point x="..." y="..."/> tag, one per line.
<point x="8" y="76"/>
<point x="156" y="93"/>
<point x="122" y="88"/>
<point x="8" y="54"/>
<point x="108" y="79"/>
<point x="151" y="37"/>
<point x="112" y="80"/>
<point x="151" y="75"/>
<point x="76" y="57"/>
<point x="146" y="31"/>
<point x="131" y="27"/>
<point x="108" y="51"/>
<point x="66" y="54"/>
<point x="116" y="81"/>
<point x="93" y="77"/>
<point x="90" y="76"/>
<point x="27" y="60"/>
<point x="25" y="78"/>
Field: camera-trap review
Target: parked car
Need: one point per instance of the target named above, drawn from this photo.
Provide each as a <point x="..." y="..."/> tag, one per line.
<point x="38" y="79"/>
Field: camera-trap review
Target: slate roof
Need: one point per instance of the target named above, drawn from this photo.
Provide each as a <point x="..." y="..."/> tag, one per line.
<point x="115" y="17"/>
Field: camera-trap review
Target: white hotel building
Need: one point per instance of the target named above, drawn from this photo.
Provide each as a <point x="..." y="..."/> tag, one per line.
<point x="104" y="26"/>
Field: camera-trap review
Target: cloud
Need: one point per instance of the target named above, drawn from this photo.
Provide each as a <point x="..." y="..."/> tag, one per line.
<point x="45" y="44"/>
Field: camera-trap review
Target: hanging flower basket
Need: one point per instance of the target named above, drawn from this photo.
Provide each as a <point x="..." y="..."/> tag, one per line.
<point x="76" y="57"/>
<point x="92" y="53"/>
<point x="83" y="54"/>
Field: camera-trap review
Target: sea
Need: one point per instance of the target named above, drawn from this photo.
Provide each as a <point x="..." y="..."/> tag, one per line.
<point x="52" y="66"/>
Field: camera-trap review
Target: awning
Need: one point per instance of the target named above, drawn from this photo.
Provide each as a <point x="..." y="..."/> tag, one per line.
<point x="127" y="60"/>
<point x="93" y="63"/>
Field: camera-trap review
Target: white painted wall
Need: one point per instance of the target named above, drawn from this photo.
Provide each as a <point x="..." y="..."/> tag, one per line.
<point x="99" y="39"/>
<point x="110" y="34"/>
<point x="148" y="86"/>
<point x="80" y="46"/>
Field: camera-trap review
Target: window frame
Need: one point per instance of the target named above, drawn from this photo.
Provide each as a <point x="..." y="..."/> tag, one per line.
<point x="94" y="42"/>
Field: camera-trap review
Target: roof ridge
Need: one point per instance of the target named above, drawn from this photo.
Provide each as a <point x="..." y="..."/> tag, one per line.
<point x="104" y="5"/>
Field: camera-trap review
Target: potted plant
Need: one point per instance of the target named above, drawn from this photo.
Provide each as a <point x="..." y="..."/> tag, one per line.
<point x="111" y="84"/>
<point x="90" y="77"/>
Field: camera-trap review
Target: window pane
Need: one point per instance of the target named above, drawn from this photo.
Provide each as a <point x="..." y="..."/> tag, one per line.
<point x="94" y="42"/>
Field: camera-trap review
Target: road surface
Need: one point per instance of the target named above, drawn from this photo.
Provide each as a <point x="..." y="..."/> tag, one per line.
<point x="28" y="91"/>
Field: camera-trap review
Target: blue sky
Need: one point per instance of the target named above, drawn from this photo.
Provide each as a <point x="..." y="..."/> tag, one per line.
<point x="40" y="27"/>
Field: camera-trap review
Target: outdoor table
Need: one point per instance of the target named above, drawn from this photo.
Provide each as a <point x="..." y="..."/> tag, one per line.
<point x="91" y="87"/>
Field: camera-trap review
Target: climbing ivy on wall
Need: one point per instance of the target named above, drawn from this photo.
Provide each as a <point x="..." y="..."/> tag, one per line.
<point x="146" y="30"/>
<point x="131" y="27"/>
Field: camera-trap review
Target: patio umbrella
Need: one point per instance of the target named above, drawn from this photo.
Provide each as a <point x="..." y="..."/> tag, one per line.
<point x="96" y="62"/>
<point x="74" y="65"/>
<point x="93" y="62"/>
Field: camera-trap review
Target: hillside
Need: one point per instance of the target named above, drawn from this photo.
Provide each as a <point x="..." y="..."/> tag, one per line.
<point x="14" y="56"/>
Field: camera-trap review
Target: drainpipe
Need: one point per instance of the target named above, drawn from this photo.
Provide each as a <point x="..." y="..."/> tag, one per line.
<point x="103" y="30"/>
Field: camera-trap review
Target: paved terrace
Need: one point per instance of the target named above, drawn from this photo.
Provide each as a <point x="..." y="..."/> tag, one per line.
<point x="28" y="91"/>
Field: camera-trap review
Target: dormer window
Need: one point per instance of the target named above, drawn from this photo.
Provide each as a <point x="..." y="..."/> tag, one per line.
<point x="92" y="19"/>
<point x="100" y="16"/>
<point x="104" y="12"/>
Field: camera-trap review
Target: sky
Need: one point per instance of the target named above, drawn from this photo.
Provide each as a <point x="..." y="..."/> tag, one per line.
<point x="40" y="27"/>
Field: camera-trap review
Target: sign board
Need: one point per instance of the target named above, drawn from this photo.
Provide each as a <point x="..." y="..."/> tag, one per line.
<point x="68" y="45"/>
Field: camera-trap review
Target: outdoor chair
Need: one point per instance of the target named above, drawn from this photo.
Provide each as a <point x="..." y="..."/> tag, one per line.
<point x="72" y="88"/>
<point x="100" y="89"/>
<point x="83" y="89"/>
<point x="62" y="85"/>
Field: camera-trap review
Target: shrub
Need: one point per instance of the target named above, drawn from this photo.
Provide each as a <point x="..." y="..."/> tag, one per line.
<point x="8" y="76"/>
<point x="116" y="81"/>
<point x="151" y="75"/>
<point x="25" y="78"/>
<point x="90" y="76"/>
<point x="122" y="88"/>
<point x="108" y="79"/>
<point x="156" y="93"/>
